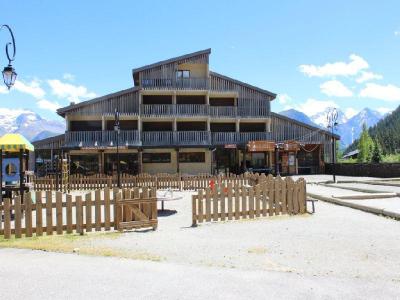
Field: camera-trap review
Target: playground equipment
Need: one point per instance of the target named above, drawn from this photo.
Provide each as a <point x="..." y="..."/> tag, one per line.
<point x="14" y="161"/>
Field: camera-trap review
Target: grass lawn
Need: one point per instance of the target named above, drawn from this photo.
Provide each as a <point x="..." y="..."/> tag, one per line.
<point x="75" y="243"/>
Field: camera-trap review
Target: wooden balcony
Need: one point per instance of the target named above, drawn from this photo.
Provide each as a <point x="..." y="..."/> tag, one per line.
<point x="175" y="83"/>
<point x="101" y="138"/>
<point x="193" y="138"/>
<point x="223" y="111"/>
<point x="221" y="138"/>
<point x="157" y="138"/>
<point x="93" y="139"/>
<point x="184" y="138"/>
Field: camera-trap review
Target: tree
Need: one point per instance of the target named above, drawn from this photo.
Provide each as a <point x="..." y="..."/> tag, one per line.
<point x="365" y="146"/>
<point x="376" y="153"/>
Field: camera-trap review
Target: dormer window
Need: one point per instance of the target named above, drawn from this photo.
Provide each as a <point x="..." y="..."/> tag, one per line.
<point x="182" y="74"/>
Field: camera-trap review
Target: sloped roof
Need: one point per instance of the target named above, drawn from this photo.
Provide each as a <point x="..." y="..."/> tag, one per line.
<point x="61" y="111"/>
<point x="171" y="60"/>
<point x="273" y="114"/>
<point x="243" y="83"/>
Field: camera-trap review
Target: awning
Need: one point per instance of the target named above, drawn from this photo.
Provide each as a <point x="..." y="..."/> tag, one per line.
<point x="260" y="146"/>
<point x="13" y="142"/>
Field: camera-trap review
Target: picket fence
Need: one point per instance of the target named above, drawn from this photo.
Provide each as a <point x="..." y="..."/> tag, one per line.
<point x="48" y="212"/>
<point x="158" y="181"/>
<point x="270" y="196"/>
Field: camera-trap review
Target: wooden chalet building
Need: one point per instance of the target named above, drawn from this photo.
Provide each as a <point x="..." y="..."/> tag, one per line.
<point x="181" y="117"/>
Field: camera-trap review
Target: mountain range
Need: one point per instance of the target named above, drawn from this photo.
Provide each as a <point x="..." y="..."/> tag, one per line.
<point x="349" y="129"/>
<point x="29" y="124"/>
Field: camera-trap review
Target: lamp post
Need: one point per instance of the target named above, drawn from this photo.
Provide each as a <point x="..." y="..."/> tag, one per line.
<point x="9" y="74"/>
<point x="332" y="116"/>
<point x="117" y="130"/>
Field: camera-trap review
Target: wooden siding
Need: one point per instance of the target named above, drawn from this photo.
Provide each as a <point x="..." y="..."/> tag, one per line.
<point x="127" y="104"/>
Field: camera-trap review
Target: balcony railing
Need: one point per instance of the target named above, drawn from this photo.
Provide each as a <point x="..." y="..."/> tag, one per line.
<point x="101" y="138"/>
<point x="193" y="138"/>
<point x="158" y="138"/>
<point x="157" y="110"/>
<point x="175" y="83"/>
<point x="223" y="111"/>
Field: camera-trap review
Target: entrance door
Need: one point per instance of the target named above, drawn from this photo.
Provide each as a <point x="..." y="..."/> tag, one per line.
<point x="225" y="161"/>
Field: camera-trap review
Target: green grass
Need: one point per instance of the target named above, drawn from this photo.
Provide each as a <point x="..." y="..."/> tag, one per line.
<point x="75" y="243"/>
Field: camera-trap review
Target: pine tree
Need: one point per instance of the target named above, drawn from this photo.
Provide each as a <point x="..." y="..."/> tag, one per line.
<point x="376" y="153"/>
<point x="365" y="146"/>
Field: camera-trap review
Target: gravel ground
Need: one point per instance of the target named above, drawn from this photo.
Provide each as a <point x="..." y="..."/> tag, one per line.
<point x="388" y="204"/>
<point x="325" y="178"/>
<point x="336" y="241"/>
<point x="41" y="275"/>
<point x="380" y="188"/>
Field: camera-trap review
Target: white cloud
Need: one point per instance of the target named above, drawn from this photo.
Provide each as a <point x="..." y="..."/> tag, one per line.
<point x="69" y="77"/>
<point x="367" y="76"/>
<point x="383" y="92"/>
<point x="69" y="91"/>
<point x="335" y="88"/>
<point x="350" y="112"/>
<point x="33" y="88"/>
<point x="356" y="64"/>
<point x="312" y="106"/>
<point x="3" y="89"/>
<point x="384" y="110"/>
<point x="397" y="33"/>
<point x="284" y="98"/>
<point x="48" y="105"/>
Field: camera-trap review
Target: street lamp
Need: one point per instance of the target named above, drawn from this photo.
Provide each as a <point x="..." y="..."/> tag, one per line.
<point x="332" y="116"/>
<point x="117" y="130"/>
<point x="9" y="74"/>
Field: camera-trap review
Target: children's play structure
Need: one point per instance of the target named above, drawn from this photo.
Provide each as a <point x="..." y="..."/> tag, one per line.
<point x="14" y="162"/>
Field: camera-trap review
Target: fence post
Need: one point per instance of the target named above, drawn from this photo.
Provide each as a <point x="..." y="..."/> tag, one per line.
<point x="194" y="211"/>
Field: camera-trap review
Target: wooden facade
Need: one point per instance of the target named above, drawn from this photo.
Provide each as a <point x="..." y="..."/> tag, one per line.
<point x="161" y="103"/>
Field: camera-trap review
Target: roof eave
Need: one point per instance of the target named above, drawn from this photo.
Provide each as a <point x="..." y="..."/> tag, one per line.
<point x="170" y="60"/>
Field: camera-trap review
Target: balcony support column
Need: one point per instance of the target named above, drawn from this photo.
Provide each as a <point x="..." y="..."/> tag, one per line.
<point x="103" y="123"/>
<point x="174" y="98"/>
<point x="140" y="164"/>
<point x="237" y="125"/>
<point x="177" y="160"/>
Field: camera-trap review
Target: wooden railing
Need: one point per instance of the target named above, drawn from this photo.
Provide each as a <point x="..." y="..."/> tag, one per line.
<point x="229" y="200"/>
<point x="220" y="138"/>
<point x="223" y="111"/>
<point x="101" y="210"/>
<point x="158" y="109"/>
<point x="192" y="138"/>
<point x="175" y="83"/>
<point x="160" y="181"/>
<point x="153" y="138"/>
<point x="192" y="110"/>
<point x="101" y="138"/>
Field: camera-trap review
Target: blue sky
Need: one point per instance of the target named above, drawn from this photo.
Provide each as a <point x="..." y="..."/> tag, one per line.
<point x="314" y="54"/>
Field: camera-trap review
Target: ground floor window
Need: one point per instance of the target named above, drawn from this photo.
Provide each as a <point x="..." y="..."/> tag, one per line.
<point x="128" y="163"/>
<point x="85" y="164"/>
<point x="192" y="157"/>
<point x="156" y="157"/>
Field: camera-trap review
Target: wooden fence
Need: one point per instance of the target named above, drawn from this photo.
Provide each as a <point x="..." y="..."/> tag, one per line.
<point x="271" y="196"/>
<point x="48" y="212"/>
<point x="158" y="181"/>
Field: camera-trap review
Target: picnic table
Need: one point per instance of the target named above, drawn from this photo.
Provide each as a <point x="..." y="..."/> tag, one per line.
<point x="167" y="195"/>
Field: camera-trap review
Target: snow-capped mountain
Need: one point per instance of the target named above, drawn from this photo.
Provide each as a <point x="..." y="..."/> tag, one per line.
<point x="351" y="130"/>
<point x="348" y="129"/>
<point x="298" y="115"/>
<point x="321" y="120"/>
<point x="29" y="124"/>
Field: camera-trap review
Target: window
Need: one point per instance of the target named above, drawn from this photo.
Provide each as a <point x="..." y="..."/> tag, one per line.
<point x="156" y="158"/>
<point x="192" y="157"/>
<point x="182" y="74"/>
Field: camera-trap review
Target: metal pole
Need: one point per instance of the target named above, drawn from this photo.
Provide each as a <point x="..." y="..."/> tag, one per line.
<point x="276" y="160"/>
<point x="116" y="127"/>
<point x="333" y="157"/>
